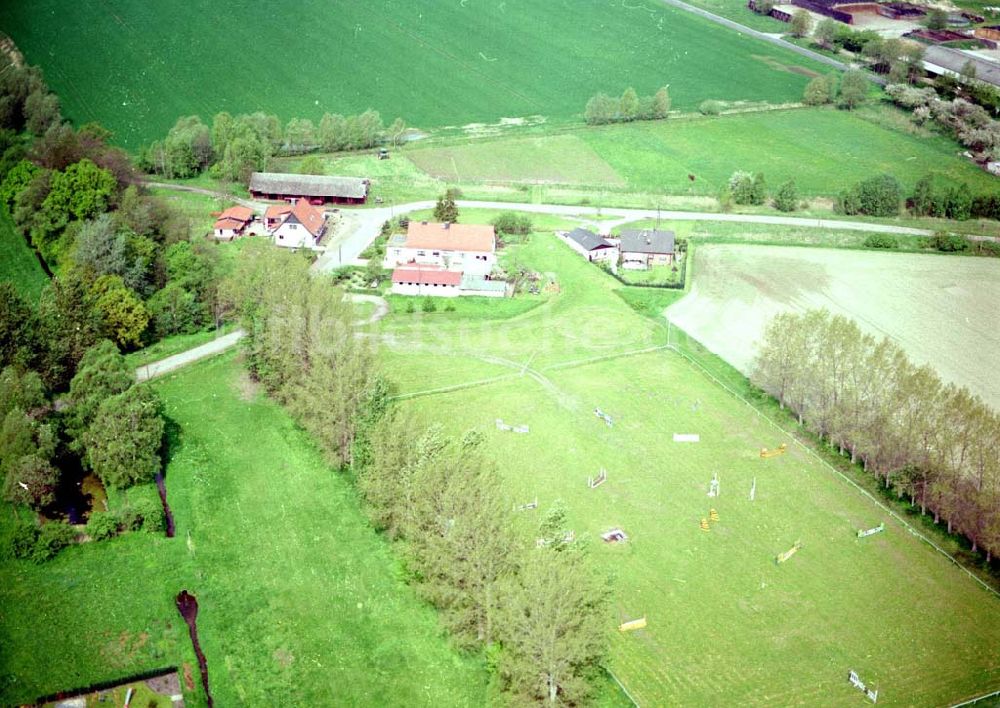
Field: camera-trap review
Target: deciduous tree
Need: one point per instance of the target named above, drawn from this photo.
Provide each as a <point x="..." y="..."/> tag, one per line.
<point x="123" y="441"/>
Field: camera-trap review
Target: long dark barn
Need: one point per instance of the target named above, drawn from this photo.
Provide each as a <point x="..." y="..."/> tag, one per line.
<point x="318" y="189"/>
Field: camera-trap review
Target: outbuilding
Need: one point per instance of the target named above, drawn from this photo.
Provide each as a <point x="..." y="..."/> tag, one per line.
<point x="232" y="223"/>
<point x="590" y="245"/>
<point x="318" y="189"/>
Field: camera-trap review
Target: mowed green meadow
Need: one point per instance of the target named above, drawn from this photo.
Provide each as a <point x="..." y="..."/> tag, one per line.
<point x="300" y="601"/>
<point x="726" y="624"/>
<point x="823" y="150"/>
<point x="433" y="63"/>
<point x="18" y="264"/>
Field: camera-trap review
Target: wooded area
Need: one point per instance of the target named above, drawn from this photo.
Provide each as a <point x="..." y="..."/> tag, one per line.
<point x="936" y="443"/>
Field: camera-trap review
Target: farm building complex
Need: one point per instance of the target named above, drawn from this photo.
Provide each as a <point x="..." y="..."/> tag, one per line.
<point x="302" y="227"/>
<point x="318" y="189"/>
<point x="232" y="222"/>
<point x="445" y="260"/>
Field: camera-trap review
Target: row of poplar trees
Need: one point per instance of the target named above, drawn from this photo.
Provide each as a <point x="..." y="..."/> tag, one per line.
<point x="936" y="443"/>
<point x="537" y="608"/>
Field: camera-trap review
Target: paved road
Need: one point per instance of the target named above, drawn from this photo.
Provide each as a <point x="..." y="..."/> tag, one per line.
<point x="217" y="346"/>
<point x="776" y="40"/>
<point x="163" y="366"/>
<point x="366" y="223"/>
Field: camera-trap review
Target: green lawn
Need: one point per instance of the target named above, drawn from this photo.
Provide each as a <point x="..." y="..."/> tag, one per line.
<point x="436" y="64"/>
<point x="726" y="624"/>
<point x="823" y="150"/>
<point x="301" y="602"/>
<point x="17" y="262"/>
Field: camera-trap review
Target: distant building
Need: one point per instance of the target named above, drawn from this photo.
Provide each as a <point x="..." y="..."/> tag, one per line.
<point x="232" y="223"/>
<point x="590" y="245"/>
<point x="303" y="227"/>
<point x="416" y="279"/>
<point x="646" y="248"/>
<point x="844" y="10"/>
<point x="464" y="248"/>
<point x="318" y="189"/>
<point x="945" y="60"/>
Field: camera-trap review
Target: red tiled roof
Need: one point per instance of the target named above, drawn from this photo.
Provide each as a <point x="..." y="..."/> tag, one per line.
<point x="451" y="237"/>
<point x="235" y="217"/>
<point x="229" y="223"/>
<point x="309" y="216"/>
<point x="277" y="211"/>
<point x="426" y="275"/>
<point x="241" y="213"/>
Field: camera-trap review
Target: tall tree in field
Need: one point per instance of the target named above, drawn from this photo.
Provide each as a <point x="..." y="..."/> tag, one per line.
<point x="628" y="106"/>
<point x="787" y="197"/>
<point x="554" y="629"/>
<point x="102" y="373"/>
<point x="853" y="89"/>
<point x="123" y="442"/>
<point x="661" y="103"/>
<point x="801" y="23"/>
<point x="459" y="538"/>
<point x="396" y="131"/>
<point x="600" y="109"/>
<point x="818" y="92"/>
<point x="445" y="210"/>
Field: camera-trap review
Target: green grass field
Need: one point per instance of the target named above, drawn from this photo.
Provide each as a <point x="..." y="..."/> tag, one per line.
<point x="17" y="263"/>
<point x="435" y="64"/>
<point x="823" y="150"/>
<point x="301" y="602"/>
<point x="726" y="624"/>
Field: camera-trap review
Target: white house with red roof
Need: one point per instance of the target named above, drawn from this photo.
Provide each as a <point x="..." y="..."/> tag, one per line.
<point x="468" y="249"/>
<point x="274" y="215"/>
<point x="232" y="223"/>
<point x="303" y="227"/>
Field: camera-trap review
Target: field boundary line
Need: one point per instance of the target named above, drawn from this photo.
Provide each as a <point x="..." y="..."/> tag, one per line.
<point x="604" y="357"/>
<point x="622" y="686"/>
<point x="974" y="700"/>
<point x="840" y="474"/>
<point x="453" y="387"/>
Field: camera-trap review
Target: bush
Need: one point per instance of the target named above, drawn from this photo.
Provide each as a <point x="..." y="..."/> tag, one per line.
<point x="150" y="512"/>
<point x="102" y="525"/>
<point x="881" y="241"/>
<point x="510" y="222"/>
<point x="23" y="539"/>
<point x="711" y="107"/>
<point x="52" y="538"/>
<point x="409" y="306"/>
<point x="450" y="307"/>
<point x="129" y="518"/>
<point x="787" y="197"/>
<point x="948" y="243"/>
<point x="876" y="196"/>
<point x="428" y="305"/>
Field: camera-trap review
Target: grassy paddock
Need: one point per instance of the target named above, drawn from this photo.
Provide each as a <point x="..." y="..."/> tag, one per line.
<point x="17" y="262"/>
<point x="518" y="58"/>
<point x="725" y="622"/>
<point x="823" y="150"/>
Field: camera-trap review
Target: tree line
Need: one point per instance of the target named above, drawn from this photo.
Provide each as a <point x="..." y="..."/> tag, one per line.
<point x="602" y="109"/>
<point x="234" y="146"/>
<point x="535" y="607"/>
<point x="935" y="443"/>
<point x="124" y="258"/>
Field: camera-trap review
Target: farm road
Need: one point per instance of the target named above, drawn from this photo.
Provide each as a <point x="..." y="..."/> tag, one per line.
<point x="776" y="40"/>
<point x="217" y="346"/>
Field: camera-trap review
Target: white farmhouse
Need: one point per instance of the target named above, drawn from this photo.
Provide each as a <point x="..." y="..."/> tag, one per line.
<point x="303" y="227"/>
<point x="463" y="248"/>
<point x="590" y="245"/>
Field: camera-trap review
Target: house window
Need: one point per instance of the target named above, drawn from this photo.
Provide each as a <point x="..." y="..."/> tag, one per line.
<point x="293" y="226"/>
<point x="421" y="253"/>
<point x="437" y="253"/>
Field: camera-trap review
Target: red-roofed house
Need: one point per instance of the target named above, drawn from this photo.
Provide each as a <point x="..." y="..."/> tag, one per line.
<point x="232" y="222"/>
<point x="274" y="215"/>
<point x="302" y="228"/>
<point x="466" y="248"/>
<point x="426" y="280"/>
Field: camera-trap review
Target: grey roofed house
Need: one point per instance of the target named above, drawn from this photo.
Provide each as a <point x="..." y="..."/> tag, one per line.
<point x="647" y="241"/>
<point x="273" y="185"/>
<point x="938" y="58"/>
<point x="588" y="240"/>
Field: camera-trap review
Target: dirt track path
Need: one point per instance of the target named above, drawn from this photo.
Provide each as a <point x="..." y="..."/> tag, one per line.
<point x="217" y="346"/>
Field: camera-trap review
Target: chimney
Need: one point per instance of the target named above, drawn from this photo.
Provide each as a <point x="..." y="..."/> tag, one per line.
<point x="446" y="225"/>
